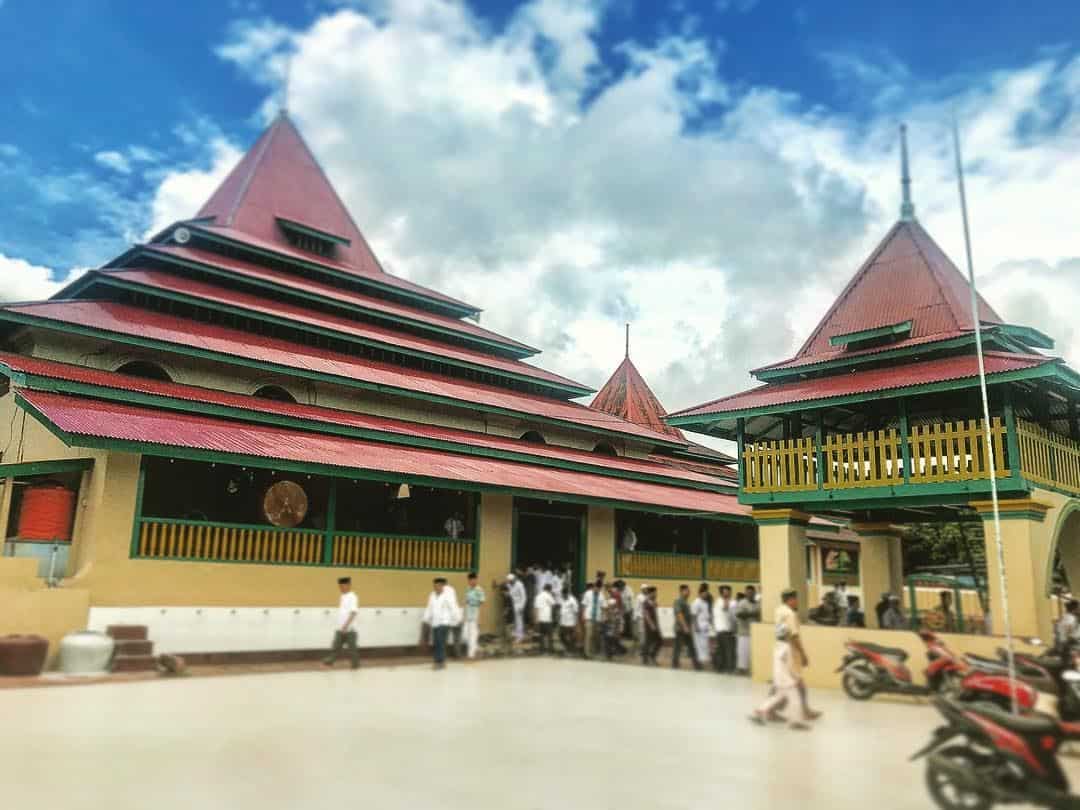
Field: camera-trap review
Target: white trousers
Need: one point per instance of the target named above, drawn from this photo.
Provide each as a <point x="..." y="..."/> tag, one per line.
<point x="519" y="624"/>
<point x="472" y="636"/>
<point x="742" y="653"/>
<point x="701" y="646"/>
<point x="790" y="696"/>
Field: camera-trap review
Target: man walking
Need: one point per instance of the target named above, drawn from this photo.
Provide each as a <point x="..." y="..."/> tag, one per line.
<point x="684" y="635"/>
<point x="747" y="611"/>
<point x="568" y="620"/>
<point x="474" y="598"/>
<point x="639" y="610"/>
<point x="724" y="624"/>
<point x="544" y="606"/>
<point x="345" y="634"/>
<point x="592" y="613"/>
<point x="789" y="660"/>
<point x="442" y="613"/>
<point x="650" y="624"/>
<point x="519" y="598"/>
<point x="701" y="612"/>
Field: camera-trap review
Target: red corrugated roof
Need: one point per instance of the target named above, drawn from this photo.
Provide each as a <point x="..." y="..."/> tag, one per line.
<point x="135" y="322"/>
<point x="78" y="416"/>
<point x="331" y="416"/>
<point x="279" y="177"/>
<point x="629" y="397"/>
<point x="907" y="278"/>
<point x="168" y="282"/>
<point x="867" y="381"/>
<point x="257" y="272"/>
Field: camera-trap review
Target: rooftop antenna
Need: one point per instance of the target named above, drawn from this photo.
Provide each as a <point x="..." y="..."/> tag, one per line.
<point x="628" y="341"/>
<point x="986" y="416"/>
<point x="907" y="207"/>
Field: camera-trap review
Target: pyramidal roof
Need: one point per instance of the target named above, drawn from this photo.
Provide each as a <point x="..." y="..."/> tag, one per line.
<point x="280" y="179"/>
<point x="906" y="278"/>
<point x="629" y="397"/>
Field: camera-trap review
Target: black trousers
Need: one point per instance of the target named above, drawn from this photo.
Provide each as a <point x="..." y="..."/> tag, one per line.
<point x="546" y="629"/>
<point x="568" y="637"/>
<point x="650" y="645"/>
<point x="684" y="640"/>
<point x="348" y="641"/>
<point x="724" y="657"/>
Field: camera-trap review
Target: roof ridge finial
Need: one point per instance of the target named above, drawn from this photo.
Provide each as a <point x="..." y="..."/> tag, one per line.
<point x="907" y="207"/>
<point x="628" y="341"/>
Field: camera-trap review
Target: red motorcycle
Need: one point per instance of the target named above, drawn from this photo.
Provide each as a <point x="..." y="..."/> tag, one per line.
<point x="871" y="668"/>
<point x="1047" y="673"/>
<point x="1001" y="758"/>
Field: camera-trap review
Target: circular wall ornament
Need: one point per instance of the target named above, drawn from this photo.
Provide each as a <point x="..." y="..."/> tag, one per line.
<point x="285" y="504"/>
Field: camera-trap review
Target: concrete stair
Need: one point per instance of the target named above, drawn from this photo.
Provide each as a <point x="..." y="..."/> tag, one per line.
<point x="134" y="650"/>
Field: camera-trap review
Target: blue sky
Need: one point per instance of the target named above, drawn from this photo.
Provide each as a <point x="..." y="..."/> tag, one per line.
<point x="120" y="114"/>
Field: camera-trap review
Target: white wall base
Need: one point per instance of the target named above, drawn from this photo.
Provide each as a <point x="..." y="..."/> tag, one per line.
<point x="249" y="629"/>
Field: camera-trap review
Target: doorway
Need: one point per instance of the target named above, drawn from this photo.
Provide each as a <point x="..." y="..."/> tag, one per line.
<point x="550" y="533"/>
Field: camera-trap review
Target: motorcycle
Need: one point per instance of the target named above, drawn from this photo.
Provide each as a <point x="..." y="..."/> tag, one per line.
<point x="1045" y="673"/>
<point x="1001" y="757"/>
<point x="871" y="668"/>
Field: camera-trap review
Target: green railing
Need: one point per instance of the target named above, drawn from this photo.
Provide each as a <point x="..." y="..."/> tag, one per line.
<point x="207" y="541"/>
<point x="667" y="565"/>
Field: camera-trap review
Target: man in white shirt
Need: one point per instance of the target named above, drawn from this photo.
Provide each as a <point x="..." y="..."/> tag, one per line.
<point x="474" y="598"/>
<point x="544" y="605"/>
<point x="519" y="598"/>
<point x="701" y="613"/>
<point x="345" y="632"/>
<point x="592" y="613"/>
<point x="639" y="611"/>
<point x="724" y="625"/>
<point x="442" y="613"/>
<point x="568" y="620"/>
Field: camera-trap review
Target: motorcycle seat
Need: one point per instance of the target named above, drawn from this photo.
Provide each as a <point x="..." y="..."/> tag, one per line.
<point x="982" y="662"/>
<point x="892" y="652"/>
<point x="1022" y="723"/>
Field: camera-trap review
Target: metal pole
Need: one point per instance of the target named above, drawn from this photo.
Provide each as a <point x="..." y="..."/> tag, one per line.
<point x="1006" y="619"/>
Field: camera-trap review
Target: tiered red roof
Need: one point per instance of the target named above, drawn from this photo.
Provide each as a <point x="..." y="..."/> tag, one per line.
<point x="628" y="396"/>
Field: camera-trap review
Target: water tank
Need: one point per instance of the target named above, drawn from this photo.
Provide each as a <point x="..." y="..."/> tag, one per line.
<point x="46" y="513"/>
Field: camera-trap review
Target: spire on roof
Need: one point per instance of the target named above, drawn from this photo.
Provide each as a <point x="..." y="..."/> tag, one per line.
<point x="628" y="341"/>
<point x="629" y="397"/>
<point x="907" y="207"/>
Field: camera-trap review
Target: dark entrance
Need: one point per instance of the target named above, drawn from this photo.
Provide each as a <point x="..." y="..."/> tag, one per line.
<point x="550" y="533"/>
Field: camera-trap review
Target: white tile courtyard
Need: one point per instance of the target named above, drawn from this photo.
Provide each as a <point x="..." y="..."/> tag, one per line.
<point x="516" y="735"/>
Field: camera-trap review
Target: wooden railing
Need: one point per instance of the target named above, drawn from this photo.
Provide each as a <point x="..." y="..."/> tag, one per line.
<point x="1048" y="458"/>
<point x="170" y="539"/>
<point x="392" y="551"/>
<point x="691" y="567"/>
<point x="934" y="453"/>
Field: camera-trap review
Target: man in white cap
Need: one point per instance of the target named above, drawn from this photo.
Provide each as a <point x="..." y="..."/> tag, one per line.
<point x="519" y="598"/>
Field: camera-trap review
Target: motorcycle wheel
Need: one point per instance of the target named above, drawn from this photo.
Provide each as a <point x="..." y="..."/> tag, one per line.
<point x="946" y="793"/>
<point x="857" y="689"/>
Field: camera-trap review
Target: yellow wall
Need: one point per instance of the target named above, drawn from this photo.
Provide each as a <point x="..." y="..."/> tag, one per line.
<point x="825" y="649"/>
<point x="600" y="544"/>
<point x="782" y="547"/>
<point x="48" y="612"/>
<point x="496" y="530"/>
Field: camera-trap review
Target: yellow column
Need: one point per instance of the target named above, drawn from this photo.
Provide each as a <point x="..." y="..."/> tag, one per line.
<point x="782" y="543"/>
<point x="496" y="529"/>
<point x="1025" y="541"/>
<point x="880" y="565"/>
<point x="600" y="546"/>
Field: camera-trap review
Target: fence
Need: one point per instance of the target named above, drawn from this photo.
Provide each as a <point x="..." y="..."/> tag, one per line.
<point x="662" y="565"/>
<point x="1048" y="458"/>
<point x="167" y="539"/>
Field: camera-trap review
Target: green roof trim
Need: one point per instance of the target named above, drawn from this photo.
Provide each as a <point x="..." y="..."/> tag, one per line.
<point x="1026" y="335"/>
<point x="865" y="335"/>
<point x="572" y="391"/>
<point x="884" y="497"/>
<point x="127" y="396"/>
<point x="707" y="423"/>
<point x="307" y="230"/>
<point x="290" y="371"/>
<point x="348" y="473"/>
<point x="27" y="468"/>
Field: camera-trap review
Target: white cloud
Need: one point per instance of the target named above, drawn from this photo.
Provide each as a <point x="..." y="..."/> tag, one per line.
<point x="180" y="193"/>
<point x="470" y="155"/>
<point x="8" y="150"/>
<point x="22" y="281"/>
<point x="113" y="160"/>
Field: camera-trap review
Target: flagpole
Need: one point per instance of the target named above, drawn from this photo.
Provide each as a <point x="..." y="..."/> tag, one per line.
<point x="1006" y="619"/>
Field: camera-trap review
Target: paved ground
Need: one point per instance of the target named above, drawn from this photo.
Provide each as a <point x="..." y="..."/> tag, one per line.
<point x="520" y="734"/>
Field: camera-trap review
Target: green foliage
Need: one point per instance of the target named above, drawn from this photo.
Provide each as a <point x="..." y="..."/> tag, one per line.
<point x="953" y="543"/>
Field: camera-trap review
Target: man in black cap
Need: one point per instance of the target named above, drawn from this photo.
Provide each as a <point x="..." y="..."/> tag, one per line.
<point x="442" y="613"/>
<point x="345" y="634"/>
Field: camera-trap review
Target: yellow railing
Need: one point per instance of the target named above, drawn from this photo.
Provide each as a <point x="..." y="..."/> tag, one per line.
<point x="1048" y="458"/>
<point x="691" y="567"/>
<point x="378" y="551"/>
<point x="184" y="540"/>
<point x="953" y="451"/>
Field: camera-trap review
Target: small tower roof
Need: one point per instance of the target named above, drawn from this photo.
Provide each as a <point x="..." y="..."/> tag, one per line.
<point x="629" y="397"/>
<point x="280" y="179"/>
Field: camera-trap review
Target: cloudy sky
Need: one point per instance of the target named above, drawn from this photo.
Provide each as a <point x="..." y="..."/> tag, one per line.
<point x="711" y="171"/>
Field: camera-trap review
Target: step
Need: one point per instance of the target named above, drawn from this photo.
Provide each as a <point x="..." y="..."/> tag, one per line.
<point x="128" y="632"/>
<point x="133" y="647"/>
<point x="134" y="663"/>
